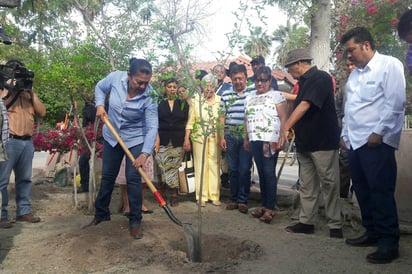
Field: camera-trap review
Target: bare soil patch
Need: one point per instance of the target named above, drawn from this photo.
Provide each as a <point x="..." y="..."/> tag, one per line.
<point x="232" y="242"/>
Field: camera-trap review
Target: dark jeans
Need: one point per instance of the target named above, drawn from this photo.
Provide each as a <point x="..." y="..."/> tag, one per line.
<point x="112" y="158"/>
<point x="84" y="168"/>
<point x="266" y="167"/>
<point x="373" y="172"/>
<point x="239" y="162"/>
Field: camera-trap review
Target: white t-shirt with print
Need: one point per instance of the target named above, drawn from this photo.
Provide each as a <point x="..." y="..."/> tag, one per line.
<point x="262" y="116"/>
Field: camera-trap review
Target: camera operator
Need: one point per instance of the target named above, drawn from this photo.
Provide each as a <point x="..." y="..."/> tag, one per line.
<point x="23" y="106"/>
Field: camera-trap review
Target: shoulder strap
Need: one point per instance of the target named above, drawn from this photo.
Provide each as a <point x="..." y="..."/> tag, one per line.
<point x="13" y="100"/>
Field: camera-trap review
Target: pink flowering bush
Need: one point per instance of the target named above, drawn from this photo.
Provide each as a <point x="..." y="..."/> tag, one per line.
<point x="379" y="16"/>
<point x="64" y="140"/>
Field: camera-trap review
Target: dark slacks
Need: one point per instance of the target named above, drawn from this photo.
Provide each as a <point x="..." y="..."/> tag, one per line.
<point x="373" y="172"/>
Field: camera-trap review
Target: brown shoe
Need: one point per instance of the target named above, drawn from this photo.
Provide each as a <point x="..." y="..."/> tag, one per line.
<point x="243" y="208"/>
<point x="4" y="223"/>
<point x="29" y="218"/>
<point x="232" y="206"/>
<point x="135" y="232"/>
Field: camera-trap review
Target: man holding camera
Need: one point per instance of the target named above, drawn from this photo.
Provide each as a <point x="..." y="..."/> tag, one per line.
<point x="22" y="106"/>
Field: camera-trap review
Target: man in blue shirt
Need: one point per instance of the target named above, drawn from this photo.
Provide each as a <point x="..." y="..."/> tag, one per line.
<point x="372" y="126"/>
<point x="133" y="113"/>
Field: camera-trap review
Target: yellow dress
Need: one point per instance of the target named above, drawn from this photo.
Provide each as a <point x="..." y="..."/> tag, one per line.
<point x="205" y="119"/>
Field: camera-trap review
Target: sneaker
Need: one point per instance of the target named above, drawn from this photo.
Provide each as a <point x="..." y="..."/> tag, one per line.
<point x="29" y="218"/>
<point x="301" y="228"/>
<point x="336" y="233"/>
<point x="4" y="223"/>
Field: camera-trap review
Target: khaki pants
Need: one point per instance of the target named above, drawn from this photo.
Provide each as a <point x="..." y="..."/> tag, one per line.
<point x="319" y="173"/>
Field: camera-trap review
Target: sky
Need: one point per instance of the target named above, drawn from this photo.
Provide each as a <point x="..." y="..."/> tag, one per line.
<point x="222" y="21"/>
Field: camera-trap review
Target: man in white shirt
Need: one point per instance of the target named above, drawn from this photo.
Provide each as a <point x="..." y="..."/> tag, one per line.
<point x="372" y="125"/>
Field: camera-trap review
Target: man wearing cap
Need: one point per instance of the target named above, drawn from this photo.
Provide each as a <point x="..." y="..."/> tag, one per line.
<point x="258" y="62"/>
<point x="317" y="141"/>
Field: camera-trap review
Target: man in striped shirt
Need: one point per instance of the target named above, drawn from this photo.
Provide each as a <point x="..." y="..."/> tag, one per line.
<point x="232" y="139"/>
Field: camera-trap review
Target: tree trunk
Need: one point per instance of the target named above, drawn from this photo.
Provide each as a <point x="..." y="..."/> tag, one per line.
<point x="320" y="33"/>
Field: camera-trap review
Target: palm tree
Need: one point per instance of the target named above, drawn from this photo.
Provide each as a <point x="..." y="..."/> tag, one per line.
<point x="289" y="37"/>
<point x="259" y="43"/>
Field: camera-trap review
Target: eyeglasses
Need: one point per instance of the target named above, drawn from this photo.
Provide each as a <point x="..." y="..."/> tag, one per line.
<point x="262" y="80"/>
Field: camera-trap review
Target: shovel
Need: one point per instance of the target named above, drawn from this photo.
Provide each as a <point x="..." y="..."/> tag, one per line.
<point x="192" y="241"/>
<point x="285" y="157"/>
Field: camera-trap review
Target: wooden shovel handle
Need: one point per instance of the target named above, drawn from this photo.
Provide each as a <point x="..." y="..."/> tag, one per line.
<point x="149" y="183"/>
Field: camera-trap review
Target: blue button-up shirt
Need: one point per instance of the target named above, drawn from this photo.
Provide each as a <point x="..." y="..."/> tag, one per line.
<point x="134" y="119"/>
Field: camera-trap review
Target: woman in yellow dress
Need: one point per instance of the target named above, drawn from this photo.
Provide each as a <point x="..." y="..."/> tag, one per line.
<point x="202" y="130"/>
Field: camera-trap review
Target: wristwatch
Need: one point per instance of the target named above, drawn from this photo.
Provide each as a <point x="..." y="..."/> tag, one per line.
<point x="146" y="154"/>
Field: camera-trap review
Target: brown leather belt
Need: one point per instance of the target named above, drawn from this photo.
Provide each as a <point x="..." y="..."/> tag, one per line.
<point x="26" y="137"/>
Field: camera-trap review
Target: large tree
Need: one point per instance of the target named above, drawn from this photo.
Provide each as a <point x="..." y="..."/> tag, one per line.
<point x="316" y="14"/>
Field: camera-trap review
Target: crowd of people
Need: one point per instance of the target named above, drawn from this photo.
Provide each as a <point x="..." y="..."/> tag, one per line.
<point x="228" y="126"/>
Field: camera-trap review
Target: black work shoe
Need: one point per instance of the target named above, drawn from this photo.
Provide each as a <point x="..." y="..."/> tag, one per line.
<point x="382" y="256"/>
<point x="301" y="228"/>
<point x="362" y="241"/>
<point x="336" y="233"/>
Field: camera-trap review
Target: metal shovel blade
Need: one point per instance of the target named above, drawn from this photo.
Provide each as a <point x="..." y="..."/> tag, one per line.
<point x="193" y="250"/>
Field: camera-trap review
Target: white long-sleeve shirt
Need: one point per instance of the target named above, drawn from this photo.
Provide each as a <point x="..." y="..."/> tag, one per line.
<point x="375" y="102"/>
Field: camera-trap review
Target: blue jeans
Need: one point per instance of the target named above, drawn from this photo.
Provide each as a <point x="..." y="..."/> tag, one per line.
<point x="112" y="158"/>
<point x="373" y="172"/>
<point x="239" y="163"/>
<point x="266" y="167"/>
<point x="20" y="159"/>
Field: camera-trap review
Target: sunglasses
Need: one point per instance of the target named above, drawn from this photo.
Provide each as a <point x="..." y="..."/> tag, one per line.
<point x="262" y="80"/>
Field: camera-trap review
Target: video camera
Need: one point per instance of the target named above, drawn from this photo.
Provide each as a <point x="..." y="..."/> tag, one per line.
<point x="21" y="77"/>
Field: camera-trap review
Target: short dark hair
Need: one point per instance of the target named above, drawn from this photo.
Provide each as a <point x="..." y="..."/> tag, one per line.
<point x="139" y="65"/>
<point x="360" y="35"/>
<point x="405" y="24"/>
<point x="15" y="63"/>
<point x="264" y="70"/>
<point x="238" y="68"/>
<point x="258" y="60"/>
<point x="169" y="80"/>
